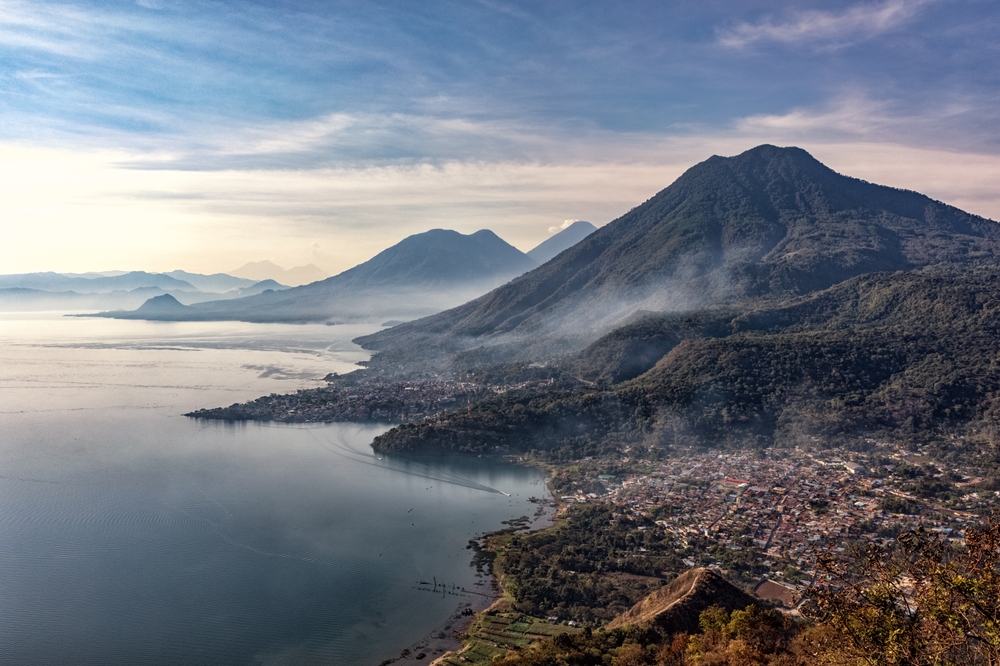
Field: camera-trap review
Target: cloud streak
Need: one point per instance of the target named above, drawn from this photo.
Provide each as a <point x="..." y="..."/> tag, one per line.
<point x="861" y="21"/>
<point x="155" y="207"/>
<point x="204" y="136"/>
<point x="562" y="227"/>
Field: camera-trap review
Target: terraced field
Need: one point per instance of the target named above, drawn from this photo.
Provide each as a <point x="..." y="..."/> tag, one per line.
<point x="496" y="632"/>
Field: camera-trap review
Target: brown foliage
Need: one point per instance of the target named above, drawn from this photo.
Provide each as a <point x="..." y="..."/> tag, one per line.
<point x="924" y="601"/>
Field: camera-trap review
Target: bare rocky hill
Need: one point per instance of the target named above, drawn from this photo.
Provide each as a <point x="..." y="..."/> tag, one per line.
<point x="676" y="606"/>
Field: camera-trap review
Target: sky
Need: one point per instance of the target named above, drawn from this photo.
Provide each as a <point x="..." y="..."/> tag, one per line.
<point x="170" y="134"/>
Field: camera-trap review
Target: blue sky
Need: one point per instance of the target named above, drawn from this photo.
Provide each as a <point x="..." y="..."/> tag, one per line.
<point x="167" y="134"/>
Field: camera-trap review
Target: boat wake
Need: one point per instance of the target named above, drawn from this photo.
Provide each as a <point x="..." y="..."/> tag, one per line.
<point x="408" y="467"/>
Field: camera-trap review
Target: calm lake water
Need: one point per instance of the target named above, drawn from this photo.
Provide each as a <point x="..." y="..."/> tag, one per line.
<point x="130" y="534"/>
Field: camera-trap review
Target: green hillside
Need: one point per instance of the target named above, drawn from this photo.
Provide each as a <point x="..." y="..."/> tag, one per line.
<point x="911" y="357"/>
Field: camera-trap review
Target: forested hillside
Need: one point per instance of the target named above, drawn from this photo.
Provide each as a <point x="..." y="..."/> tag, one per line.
<point x="909" y="356"/>
<point x="766" y="225"/>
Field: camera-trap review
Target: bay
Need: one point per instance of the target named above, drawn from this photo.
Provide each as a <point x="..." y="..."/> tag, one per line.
<point x="130" y="534"/>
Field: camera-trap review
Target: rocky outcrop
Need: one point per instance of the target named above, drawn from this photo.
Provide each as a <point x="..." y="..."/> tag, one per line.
<point x="676" y="606"/>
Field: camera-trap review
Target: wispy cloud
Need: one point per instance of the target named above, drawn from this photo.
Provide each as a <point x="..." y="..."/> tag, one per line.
<point x="100" y="210"/>
<point x="562" y="227"/>
<point x="824" y="27"/>
<point x="357" y="140"/>
<point x="237" y="131"/>
<point x="854" y="116"/>
<point x="189" y="197"/>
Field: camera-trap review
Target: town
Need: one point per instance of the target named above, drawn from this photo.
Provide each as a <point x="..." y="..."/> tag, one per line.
<point x="765" y="517"/>
<point x="771" y="516"/>
<point x="369" y="401"/>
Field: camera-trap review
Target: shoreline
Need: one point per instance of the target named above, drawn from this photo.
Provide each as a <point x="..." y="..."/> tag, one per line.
<point x="448" y="638"/>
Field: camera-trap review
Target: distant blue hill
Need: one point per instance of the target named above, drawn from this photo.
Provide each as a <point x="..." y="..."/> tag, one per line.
<point x="163" y="304"/>
<point x="97" y="285"/>
<point x="19" y="299"/>
<point x="260" y="288"/>
<point x="438" y="257"/>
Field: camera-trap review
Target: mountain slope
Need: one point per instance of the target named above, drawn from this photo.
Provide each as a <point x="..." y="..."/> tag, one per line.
<point x="771" y="222"/>
<point x="561" y="242"/>
<point x="423" y="273"/>
<point x="903" y="357"/>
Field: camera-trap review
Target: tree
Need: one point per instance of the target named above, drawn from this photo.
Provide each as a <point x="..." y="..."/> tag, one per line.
<point x="925" y="601"/>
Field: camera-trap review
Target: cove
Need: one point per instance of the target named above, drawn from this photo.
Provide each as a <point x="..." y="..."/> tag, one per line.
<point x="132" y="535"/>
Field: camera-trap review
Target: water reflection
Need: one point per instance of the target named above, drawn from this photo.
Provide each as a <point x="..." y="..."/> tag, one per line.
<point x="132" y="535"/>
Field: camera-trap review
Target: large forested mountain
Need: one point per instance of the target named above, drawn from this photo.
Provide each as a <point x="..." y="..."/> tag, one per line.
<point x="770" y="223"/>
<point x="761" y="299"/>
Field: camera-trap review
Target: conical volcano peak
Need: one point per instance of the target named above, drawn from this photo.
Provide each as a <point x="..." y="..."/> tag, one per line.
<point x="765" y="167"/>
<point x="768" y="223"/>
<point x="770" y="152"/>
<point x="770" y="156"/>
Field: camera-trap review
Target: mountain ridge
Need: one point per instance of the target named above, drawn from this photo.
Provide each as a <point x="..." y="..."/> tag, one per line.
<point x="768" y="223"/>
<point x="55" y="282"/>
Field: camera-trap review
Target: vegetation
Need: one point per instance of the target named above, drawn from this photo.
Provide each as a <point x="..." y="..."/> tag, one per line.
<point x="497" y="631"/>
<point x="559" y="424"/>
<point x="589" y="568"/>
<point x="750" y="636"/>
<point x="896" y="504"/>
<point x="904" y="357"/>
<point x="922" y="601"/>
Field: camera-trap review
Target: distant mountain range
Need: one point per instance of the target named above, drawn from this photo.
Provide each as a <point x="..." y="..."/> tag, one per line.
<point x="20" y="299"/>
<point x="94" y="285"/>
<point x="118" y="289"/>
<point x="421" y="274"/>
<point x="770" y="223"/>
<point x="218" y="283"/>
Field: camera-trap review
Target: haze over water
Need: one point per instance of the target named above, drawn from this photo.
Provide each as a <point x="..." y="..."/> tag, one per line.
<point x="130" y="534"/>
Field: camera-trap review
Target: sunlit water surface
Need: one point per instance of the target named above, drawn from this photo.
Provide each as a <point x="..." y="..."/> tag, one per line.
<point x="130" y="534"/>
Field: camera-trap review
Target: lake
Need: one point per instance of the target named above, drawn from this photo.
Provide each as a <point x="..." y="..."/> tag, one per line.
<point x="130" y="534"/>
